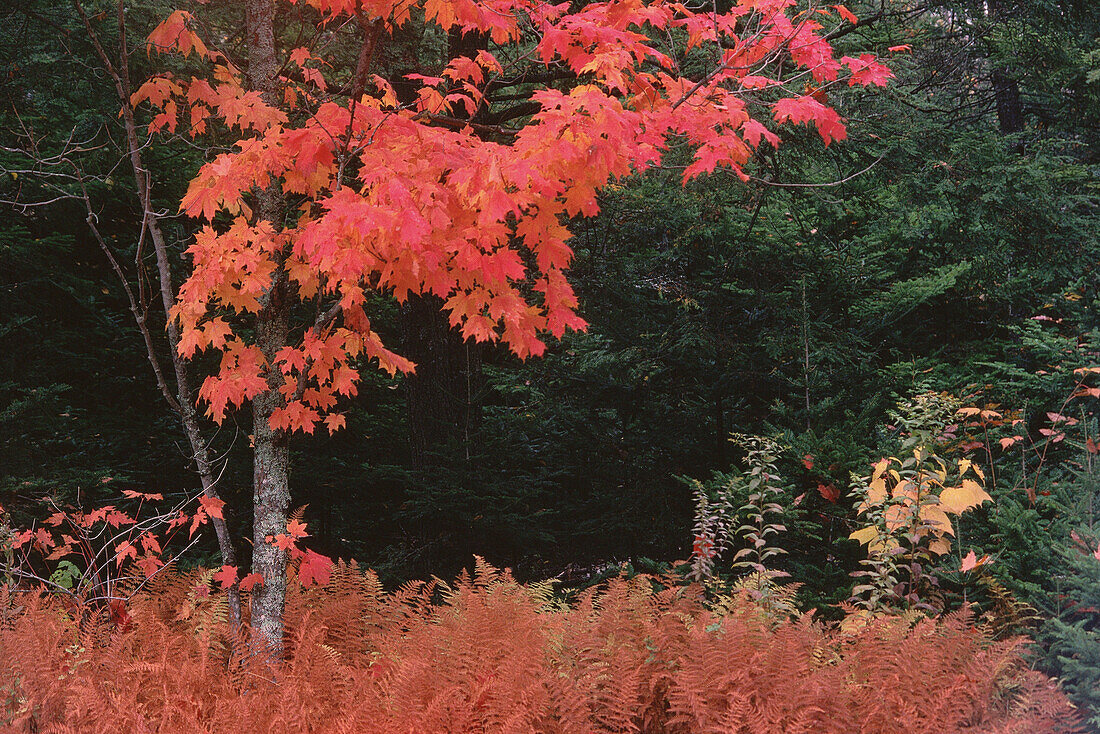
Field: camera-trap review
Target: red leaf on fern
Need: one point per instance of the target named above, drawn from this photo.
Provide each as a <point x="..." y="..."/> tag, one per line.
<point x="314" y="569"/>
<point x="226" y="576"/>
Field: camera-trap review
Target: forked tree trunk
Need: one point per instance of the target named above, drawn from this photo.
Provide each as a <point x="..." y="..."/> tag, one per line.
<point x="271" y="457"/>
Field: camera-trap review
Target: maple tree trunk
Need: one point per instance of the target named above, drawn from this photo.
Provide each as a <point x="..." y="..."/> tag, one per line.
<point x="271" y="448"/>
<point x="270" y="499"/>
<point x="184" y="401"/>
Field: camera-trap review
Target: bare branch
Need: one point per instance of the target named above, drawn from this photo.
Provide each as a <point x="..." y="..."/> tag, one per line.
<point x="838" y="182"/>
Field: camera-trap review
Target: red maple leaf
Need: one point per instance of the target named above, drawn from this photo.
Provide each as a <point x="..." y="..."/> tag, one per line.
<point x="120" y="617"/>
<point x="829" y="492"/>
<point x="846" y="14"/>
<point x="334" y="422"/>
<point x="200" y="518"/>
<point x="131" y="494"/>
<point x="150" y="543"/>
<point x="251" y="580"/>
<point x="173" y="33"/>
<point x="117" y="519"/>
<point x="970" y="561"/>
<point x="314" y="569"/>
<point x="125" y="550"/>
<point x="805" y="110"/>
<point x="282" y="541"/>
<point x="226" y="576"/>
<point x="43" y="539"/>
<point x="148" y="564"/>
<point x="213" y="506"/>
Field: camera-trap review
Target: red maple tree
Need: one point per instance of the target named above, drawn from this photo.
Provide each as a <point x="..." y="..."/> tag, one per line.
<point x="458" y="180"/>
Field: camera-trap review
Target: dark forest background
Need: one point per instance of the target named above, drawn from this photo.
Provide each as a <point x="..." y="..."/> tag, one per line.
<point x="951" y="243"/>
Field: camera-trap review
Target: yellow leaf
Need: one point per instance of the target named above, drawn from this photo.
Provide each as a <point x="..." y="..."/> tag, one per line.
<point x="964" y="464"/>
<point x="958" y="500"/>
<point x="876" y="494"/>
<point x="908" y="491"/>
<point x="897" y="516"/>
<point x="939" y="546"/>
<point x="934" y="516"/>
<point x="865" y="535"/>
<point x="856" y="621"/>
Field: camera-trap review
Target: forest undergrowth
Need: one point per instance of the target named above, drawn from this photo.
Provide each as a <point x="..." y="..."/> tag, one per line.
<point x="489" y="654"/>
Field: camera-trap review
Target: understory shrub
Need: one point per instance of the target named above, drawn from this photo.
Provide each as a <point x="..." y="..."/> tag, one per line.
<point x="487" y="654"/>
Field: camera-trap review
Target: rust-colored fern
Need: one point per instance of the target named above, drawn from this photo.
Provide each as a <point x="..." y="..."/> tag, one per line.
<point x="487" y="654"/>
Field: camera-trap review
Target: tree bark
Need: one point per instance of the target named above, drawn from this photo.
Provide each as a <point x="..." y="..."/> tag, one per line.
<point x="271" y="448"/>
<point x="270" y="493"/>
<point x="1006" y="90"/>
<point x="1010" y="109"/>
<point x="721" y="434"/>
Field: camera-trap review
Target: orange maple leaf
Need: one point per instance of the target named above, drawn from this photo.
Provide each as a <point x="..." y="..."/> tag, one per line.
<point x="297" y="530"/>
<point x="970" y="561"/>
<point x="213" y="506"/>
